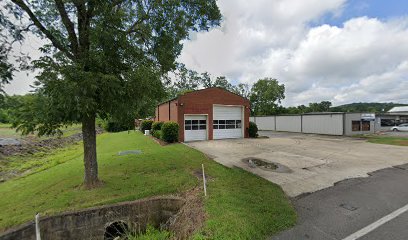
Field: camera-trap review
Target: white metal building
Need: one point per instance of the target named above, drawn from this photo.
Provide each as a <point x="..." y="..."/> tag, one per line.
<point x="330" y="123"/>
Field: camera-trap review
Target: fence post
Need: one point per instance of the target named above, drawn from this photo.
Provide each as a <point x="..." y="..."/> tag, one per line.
<point x="204" y="181"/>
<point x="37" y="227"/>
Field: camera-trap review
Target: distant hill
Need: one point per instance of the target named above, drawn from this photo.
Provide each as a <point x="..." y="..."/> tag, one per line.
<point x="366" y="107"/>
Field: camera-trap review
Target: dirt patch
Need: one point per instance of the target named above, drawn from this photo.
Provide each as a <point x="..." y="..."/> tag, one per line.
<point x="199" y="174"/>
<point x="402" y="142"/>
<point x="159" y="141"/>
<point x="191" y="216"/>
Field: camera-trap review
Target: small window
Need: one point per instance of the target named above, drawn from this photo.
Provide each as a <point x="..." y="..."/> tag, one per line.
<point x="221" y="127"/>
<point x="387" y="122"/>
<point x="203" y="127"/>
<point x="238" y="124"/>
<point x="187" y="127"/>
<point x="203" y="121"/>
<point x="230" y="121"/>
<point x="231" y="126"/>
<point x="194" y="127"/>
<point x="215" y="122"/>
<point x="355" y="126"/>
<point x="194" y="121"/>
<point x="221" y="121"/>
<point x="215" y="126"/>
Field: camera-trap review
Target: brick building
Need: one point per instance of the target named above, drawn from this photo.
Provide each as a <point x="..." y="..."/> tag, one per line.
<point x="212" y="113"/>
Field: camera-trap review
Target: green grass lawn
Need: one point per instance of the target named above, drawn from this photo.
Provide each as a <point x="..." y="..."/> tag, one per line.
<point x="7" y="131"/>
<point x="240" y="205"/>
<point x="398" y="141"/>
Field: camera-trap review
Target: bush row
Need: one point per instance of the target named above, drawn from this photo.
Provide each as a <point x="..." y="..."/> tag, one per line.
<point x="167" y="131"/>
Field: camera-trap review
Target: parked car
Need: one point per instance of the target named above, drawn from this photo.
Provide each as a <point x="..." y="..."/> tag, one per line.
<point x="401" y="127"/>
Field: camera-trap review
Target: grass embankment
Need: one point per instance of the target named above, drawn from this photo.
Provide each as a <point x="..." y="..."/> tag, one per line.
<point x="240" y="205"/>
<point x="36" y="157"/>
<point x="7" y="131"/>
<point x="398" y="141"/>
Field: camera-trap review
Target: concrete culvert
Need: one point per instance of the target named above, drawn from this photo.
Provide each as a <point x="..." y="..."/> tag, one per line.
<point x="116" y="230"/>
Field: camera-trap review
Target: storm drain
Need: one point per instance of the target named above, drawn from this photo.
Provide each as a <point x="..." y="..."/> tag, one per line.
<point x="348" y="207"/>
<point x="266" y="165"/>
<point x="116" y="230"/>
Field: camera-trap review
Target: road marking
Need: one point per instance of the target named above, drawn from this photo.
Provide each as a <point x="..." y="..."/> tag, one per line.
<point x="376" y="224"/>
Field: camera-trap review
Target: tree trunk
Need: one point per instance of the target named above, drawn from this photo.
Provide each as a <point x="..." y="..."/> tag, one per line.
<point x="91" y="165"/>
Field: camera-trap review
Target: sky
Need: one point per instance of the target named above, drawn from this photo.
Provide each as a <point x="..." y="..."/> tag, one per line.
<point x="341" y="51"/>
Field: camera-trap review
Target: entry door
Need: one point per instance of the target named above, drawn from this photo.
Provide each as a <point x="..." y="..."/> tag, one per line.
<point x="195" y="127"/>
<point x="227" y="122"/>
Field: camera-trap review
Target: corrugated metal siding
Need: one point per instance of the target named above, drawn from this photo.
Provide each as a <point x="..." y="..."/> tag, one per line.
<point x="288" y="123"/>
<point x="356" y="117"/>
<point x="265" y="123"/>
<point x="323" y="124"/>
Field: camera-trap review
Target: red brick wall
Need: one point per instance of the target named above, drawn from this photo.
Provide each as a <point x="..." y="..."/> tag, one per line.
<point x="201" y="102"/>
<point x="162" y="112"/>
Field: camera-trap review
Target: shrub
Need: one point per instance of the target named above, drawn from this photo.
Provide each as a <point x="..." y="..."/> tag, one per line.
<point x="111" y="125"/>
<point x="253" y="130"/>
<point x="157" y="134"/>
<point x="146" y="125"/>
<point x="169" y="132"/>
<point x="156" y="126"/>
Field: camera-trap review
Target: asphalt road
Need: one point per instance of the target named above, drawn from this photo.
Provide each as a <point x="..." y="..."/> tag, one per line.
<point x="339" y="211"/>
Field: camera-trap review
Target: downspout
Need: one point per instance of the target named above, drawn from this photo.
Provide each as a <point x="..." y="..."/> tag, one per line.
<point x="169" y="111"/>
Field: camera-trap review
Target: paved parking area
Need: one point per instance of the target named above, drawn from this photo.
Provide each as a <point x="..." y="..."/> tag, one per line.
<point x="355" y="208"/>
<point x="316" y="161"/>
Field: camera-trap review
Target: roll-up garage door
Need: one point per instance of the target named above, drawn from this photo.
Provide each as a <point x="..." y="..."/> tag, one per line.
<point x="227" y="122"/>
<point x="195" y="127"/>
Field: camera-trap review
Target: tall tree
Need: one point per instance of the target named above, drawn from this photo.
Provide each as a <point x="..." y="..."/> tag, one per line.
<point x="266" y="96"/>
<point x="104" y="57"/>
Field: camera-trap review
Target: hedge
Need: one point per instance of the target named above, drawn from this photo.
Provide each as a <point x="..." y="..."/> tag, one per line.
<point x="157" y="134"/>
<point x="146" y="125"/>
<point x="169" y="132"/>
<point x="156" y="126"/>
<point x="253" y="130"/>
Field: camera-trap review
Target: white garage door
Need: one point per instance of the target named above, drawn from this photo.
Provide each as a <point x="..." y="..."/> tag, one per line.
<point x="227" y="122"/>
<point x="195" y="127"/>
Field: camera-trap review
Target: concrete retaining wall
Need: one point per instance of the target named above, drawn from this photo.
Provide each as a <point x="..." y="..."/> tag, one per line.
<point x="91" y="223"/>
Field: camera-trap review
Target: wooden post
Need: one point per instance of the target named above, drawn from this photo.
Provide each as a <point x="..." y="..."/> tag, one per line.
<point x="37" y="227"/>
<point x="204" y="181"/>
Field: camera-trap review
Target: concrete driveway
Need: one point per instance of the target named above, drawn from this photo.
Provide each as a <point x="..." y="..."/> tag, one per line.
<point x="316" y="162"/>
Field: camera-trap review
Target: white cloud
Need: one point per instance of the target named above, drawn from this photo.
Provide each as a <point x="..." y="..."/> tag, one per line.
<point x="363" y="60"/>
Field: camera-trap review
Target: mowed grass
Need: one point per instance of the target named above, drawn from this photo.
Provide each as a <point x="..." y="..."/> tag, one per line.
<point x="239" y="206"/>
<point x="390" y="140"/>
<point x="7" y="131"/>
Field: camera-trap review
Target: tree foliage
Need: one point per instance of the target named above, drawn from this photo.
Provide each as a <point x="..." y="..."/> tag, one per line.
<point x="266" y="95"/>
<point x="105" y="58"/>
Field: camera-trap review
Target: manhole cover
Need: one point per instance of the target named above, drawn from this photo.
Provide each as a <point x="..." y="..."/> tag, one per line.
<point x="130" y="152"/>
<point x="266" y="165"/>
<point x="348" y="207"/>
